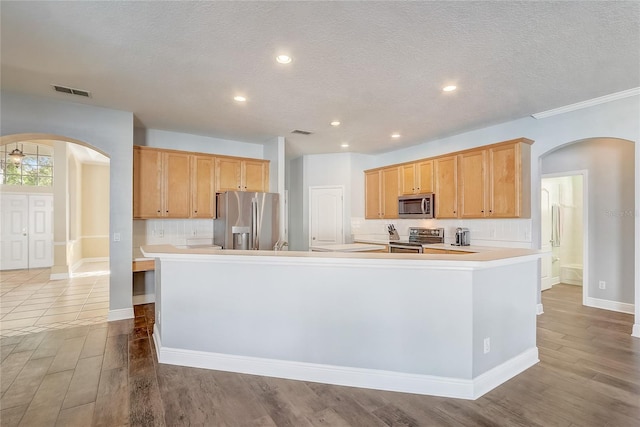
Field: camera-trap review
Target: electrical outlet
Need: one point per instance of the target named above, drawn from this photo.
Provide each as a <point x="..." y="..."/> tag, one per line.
<point x="602" y="284"/>
<point x="116" y="237"/>
<point x="487" y="345"/>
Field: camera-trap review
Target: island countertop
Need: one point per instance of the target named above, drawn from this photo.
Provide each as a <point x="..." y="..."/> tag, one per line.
<point x="472" y="259"/>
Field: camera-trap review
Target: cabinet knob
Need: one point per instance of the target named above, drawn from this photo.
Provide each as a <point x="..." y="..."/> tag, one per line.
<point x="167" y="211"/>
<point x="482" y="211"/>
<point x="158" y="210"/>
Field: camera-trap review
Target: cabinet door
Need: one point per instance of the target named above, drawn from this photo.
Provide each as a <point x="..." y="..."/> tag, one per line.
<point x="505" y="184"/>
<point x="256" y="175"/>
<point x="390" y="179"/>
<point x="446" y="186"/>
<point x="424" y="177"/>
<point x="177" y="188"/>
<point x="372" y="195"/>
<point x="228" y="172"/>
<point x="203" y="197"/>
<point x="408" y="179"/>
<point x="472" y="181"/>
<point x="147" y="179"/>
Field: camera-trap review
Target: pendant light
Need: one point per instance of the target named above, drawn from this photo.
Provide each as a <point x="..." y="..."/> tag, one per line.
<point x="16" y="155"/>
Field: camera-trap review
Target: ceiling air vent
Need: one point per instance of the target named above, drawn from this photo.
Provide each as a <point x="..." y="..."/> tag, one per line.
<point x="301" y="132"/>
<point x="71" y="91"/>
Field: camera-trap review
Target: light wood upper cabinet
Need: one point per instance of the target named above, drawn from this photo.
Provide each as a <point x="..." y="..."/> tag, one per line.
<point x="161" y="183"/>
<point x="510" y="180"/>
<point x="256" y="175"/>
<point x="390" y="179"/>
<point x="446" y="186"/>
<point x="472" y="181"/>
<point x="176" y="171"/>
<point x="372" y="192"/>
<point x="241" y="175"/>
<point x="381" y="193"/>
<point x="416" y="178"/>
<point x="147" y="183"/>
<point x="180" y="184"/>
<point x="203" y="196"/>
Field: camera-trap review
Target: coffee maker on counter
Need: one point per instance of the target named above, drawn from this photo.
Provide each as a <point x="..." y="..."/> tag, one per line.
<point x="462" y="237"/>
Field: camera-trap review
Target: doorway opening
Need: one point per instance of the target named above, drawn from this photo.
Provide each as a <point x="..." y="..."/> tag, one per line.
<point x="60" y="276"/>
<point x="564" y="237"/>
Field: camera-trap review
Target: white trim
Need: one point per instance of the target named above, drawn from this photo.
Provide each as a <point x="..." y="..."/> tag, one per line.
<point x="144" y="299"/>
<point x="58" y="276"/>
<point x="605" y="304"/>
<point x="539" y="309"/>
<point x="120" y="314"/>
<point x="76" y="265"/>
<point x="555" y="280"/>
<point x="588" y="103"/>
<point x="97" y="236"/>
<point x="636" y="330"/>
<point x="351" y="377"/>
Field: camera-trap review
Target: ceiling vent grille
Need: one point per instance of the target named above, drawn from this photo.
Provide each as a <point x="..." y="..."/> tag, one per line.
<point x="71" y="91"/>
<point x="301" y="132"/>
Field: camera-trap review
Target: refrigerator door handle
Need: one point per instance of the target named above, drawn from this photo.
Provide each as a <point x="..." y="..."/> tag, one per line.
<point x="254" y="224"/>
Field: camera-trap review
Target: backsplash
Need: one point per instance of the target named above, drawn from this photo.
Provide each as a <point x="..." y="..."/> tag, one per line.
<point x="172" y="231"/>
<point x="514" y="233"/>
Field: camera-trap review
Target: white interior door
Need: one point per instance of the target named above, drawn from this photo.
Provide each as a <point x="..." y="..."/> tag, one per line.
<point x="326" y="217"/>
<point x="40" y="231"/>
<point x="26" y="231"/>
<point x="546" y="275"/>
<point x="14" y="252"/>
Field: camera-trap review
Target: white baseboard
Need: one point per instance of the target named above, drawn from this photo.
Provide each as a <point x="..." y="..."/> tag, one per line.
<point x="539" y="309"/>
<point x="555" y="280"/>
<point x="59" y="276"/>
<point x="493" y="378"/>
<point x="144" y="299"/>
<point x="636" y="330"/>
<point x="572" y="282"/>
<point x="610" y="305"/>
<point x="120" y="314"/>
<point x="351" y="377"/>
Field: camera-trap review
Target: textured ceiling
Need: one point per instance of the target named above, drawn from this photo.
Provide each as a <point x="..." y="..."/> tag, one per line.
<point x="378" y="67"/>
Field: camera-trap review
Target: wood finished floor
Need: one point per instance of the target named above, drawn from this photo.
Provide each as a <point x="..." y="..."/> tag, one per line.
<point x="108" y="375"/>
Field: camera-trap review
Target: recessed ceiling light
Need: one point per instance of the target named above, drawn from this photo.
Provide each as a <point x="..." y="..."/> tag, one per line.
<point x="239" y="98"/>
<point x="335" y="123"/>
<point x="395" y="135"/>
<point x="449" y="88"/>
<point x="283" y="59"/>
<point x="344" y="145"/>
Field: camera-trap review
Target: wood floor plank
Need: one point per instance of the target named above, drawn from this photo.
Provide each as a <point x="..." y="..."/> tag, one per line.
<point x="588" y="375"/>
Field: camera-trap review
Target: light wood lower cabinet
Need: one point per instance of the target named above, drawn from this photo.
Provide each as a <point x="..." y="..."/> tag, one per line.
<point x="381" y="193"/>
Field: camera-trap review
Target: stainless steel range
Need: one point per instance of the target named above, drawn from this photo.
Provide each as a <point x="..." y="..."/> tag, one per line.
<point x="418" y="236"/>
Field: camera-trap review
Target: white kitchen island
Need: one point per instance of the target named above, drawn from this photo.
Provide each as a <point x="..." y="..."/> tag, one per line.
<point x="411" y="323"/>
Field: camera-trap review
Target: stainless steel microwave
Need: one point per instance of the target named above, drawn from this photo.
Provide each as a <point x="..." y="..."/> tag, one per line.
<point x="416" y="206"/>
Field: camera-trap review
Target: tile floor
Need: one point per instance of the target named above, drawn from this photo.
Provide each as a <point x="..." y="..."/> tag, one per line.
<point x="30" y="302"/>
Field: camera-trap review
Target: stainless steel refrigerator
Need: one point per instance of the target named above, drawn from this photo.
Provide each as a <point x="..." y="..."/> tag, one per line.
<point x="246" y="220"/>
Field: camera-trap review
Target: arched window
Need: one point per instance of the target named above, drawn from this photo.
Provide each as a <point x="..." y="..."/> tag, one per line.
<point x="34" y="169"/>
